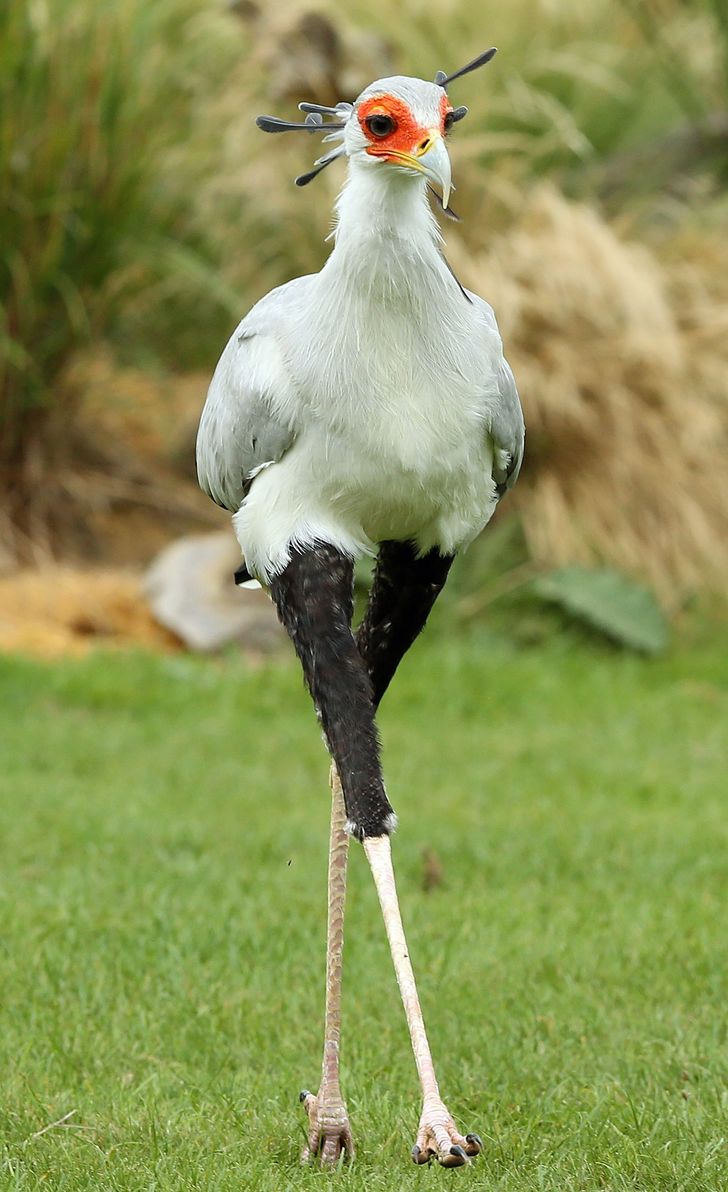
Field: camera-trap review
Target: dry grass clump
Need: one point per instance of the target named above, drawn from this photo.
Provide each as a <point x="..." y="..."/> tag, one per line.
<point x="622" y="363"/>
<point x="62" y="611"/>
<point x="126" y="480"/>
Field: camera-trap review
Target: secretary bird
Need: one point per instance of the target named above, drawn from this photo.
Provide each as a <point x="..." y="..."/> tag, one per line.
<point x="366" y="409"/>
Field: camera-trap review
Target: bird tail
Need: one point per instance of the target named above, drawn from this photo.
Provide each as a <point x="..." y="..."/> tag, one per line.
<point x="243" y="578"/>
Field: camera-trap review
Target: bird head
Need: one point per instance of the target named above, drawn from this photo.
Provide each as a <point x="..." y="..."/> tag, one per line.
<point x="397" y="123"/>
<point x="400" y="124"/>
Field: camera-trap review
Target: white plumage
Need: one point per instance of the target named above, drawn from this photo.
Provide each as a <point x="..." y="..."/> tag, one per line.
<point x="369" y="401"/>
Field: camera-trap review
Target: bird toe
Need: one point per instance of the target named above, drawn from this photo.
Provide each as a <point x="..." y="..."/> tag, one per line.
<point x="439" y="1138"/>
<point x="455" y="1158"/>
<point x="329" y="1139"/>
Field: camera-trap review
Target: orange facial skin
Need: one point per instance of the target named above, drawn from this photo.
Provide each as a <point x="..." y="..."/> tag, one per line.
<point x="407" y="135"/>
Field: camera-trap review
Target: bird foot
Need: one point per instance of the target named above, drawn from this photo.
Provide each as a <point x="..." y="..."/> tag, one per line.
<point x="439" y="1138"/>
<point x="329" y="1132"/>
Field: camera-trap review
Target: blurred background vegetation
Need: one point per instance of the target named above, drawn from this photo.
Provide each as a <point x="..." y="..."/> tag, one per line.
<point x="142" y="214"/>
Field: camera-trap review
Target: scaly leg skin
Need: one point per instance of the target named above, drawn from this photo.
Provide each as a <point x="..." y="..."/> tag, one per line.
<point x="329" y="1133"/>
<point x="437" y="1134"/>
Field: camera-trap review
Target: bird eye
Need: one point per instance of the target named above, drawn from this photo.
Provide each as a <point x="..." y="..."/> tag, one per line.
<point x="380" y="125"/>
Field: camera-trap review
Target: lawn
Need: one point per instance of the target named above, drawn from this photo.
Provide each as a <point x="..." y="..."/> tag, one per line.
<point x="163" y="827"/>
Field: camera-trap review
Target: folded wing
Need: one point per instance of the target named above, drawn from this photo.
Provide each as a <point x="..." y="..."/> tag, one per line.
<point x="246" y="423"/>
<point x="504" y="416"/>
<point x="507" y="430"/>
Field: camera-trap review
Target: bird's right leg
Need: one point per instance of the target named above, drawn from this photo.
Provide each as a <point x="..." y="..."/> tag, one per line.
<point x="329" y="1133"/>
<point x="314" y="598"/>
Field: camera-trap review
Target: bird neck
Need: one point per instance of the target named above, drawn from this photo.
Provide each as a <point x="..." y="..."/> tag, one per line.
<point x="384" y="228"/>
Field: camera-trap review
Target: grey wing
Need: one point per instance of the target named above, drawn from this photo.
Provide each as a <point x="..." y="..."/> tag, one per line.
<point x="504" y="418"/>
<point x="243" y="426"/>
<point x="507" y="430"/>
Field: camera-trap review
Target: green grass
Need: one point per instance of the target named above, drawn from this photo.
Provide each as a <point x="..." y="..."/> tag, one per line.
<point x="162" y="883"/>
<point x="95" y="98"/>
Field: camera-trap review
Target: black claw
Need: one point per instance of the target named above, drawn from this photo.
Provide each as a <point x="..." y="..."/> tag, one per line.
<point x="303" y="1094"/>
<point x="475" y="1143"/>
<point x="456" y="1158"/>
<point x="419" y="1156"/>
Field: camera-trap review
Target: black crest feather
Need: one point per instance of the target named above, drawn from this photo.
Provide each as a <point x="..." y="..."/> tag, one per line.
<point x="442" y="79"/>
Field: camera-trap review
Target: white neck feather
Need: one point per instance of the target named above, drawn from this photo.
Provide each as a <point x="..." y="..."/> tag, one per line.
<point x="385" y="232"/>
<point x="383" y="201"/>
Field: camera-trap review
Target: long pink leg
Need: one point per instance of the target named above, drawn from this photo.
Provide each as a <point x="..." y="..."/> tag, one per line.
<point x="437" y="1134"/>
<point x="329" y="1133"/>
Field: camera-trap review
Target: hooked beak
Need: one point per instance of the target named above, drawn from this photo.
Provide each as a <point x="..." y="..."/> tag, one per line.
<point x="429" y="158"/>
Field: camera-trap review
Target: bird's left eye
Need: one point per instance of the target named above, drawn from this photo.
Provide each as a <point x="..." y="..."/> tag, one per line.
<point x="380" y="125"/>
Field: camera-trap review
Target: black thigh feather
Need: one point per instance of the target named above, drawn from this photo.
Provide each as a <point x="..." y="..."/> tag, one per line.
<point x="314" y="598"/>
<point x="404" y="590"/>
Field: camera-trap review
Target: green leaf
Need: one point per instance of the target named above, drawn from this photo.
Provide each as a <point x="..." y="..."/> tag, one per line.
<point x="608" y="601"/>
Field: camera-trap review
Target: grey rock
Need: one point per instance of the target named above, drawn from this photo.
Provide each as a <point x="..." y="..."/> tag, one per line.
<point x="191" y="591"/>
